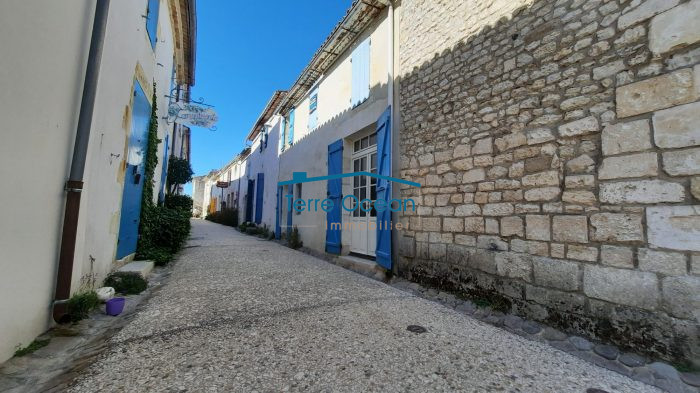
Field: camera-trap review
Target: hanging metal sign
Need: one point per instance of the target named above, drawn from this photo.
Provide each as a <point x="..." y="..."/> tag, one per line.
<point x="192" y="115"/>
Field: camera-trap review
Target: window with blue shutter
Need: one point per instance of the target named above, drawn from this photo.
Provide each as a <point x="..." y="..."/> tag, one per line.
<point x="290" y="137"/>
<point x="360" y="73"/>
<point x="152" y="21"/>
<point x="313" y="112"/>
<point x="282" y="136"/>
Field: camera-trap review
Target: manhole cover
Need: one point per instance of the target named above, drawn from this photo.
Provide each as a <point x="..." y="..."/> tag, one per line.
<point x="416" y="329"/>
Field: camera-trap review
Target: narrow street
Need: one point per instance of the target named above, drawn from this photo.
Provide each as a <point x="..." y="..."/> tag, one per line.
<point x="244" y="314"/>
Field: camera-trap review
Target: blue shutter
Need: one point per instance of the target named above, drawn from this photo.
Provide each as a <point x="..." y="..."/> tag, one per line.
<point x="383" y="251"/>
<point x="281" y="135"/>
<point x="290" y="137"/>
<point x="259" y="198"/>
<point x="290" y="208"/>
<point x="313" y="109"/>
<point x="152" y="21"/>
<point x="278" y="229"/>
<point x="334" y="193"/>
<point x="360" y="73"/>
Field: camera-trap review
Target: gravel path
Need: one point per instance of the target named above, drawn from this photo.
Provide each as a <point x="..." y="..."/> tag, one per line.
<point x="244" y="314"/>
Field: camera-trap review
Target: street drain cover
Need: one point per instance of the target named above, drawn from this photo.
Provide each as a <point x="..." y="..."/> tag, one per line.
<point x="416" y="329"/>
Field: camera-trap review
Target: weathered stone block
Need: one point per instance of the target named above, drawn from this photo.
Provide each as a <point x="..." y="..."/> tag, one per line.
<point x="514" y="265"/>
<point x="537" y="227"/>
<point x="632" y="165"/>
<point x="483" y="146"/>
<point x="626" y="137"/>
<point x="474" y="175"/>
<point x="539" y="135"/>
<point x="542" y="194"/>
<point x="556" y="273"/>
<point x="512" y="226"/>
<point x="407" y="246"/>
<point x="492" y="243"/>
<point x="579" y="181"/>
<point x="675" y="28"/>
<point x="430" y="224"/>
<point x="695" y="187"/>
<point x="678" y="126"/>
<point x="583" y="126"/>
<point x="451" y="224"/>
<point x="581" y="164"/>
<point x="644" y="11"/>
<point x="670" y="263"/>
<point x="582" y="253"/>
<point x="682" y="162"/>
<point x="549" y="178"/>
<point x="579" y="197"/>
<point x="674" y="227"/>
<point x="474" y="224"/>
<point x="570" y="229"/>
<point x="617" y="227"/>
<point x="470" y="209"/>
<point x="682" y="296"/>
<point x="621" y="286"/>
<point x="497" y="209"/>
<point x="641" y="191"/>
<point x="616" y="256"/>
<point x="657" y="93"/>
<point x="608" y="70"/>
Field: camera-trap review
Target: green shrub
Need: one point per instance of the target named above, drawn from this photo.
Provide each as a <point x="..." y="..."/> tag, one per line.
<point x="182" y="202"/>
<point x="33" y="346"/>
<point x="225" y="217"/>
<point x="127" y="283"/>
<point x="80" y="305"/>
<point x="162" y="232"/>
<point x="294" y="240"/>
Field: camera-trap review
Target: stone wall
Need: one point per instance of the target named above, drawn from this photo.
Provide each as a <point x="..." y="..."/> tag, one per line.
<point x="559" y="153"/>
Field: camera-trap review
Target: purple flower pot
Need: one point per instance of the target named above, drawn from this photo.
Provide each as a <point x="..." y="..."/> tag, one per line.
<point x="114" y="306"/>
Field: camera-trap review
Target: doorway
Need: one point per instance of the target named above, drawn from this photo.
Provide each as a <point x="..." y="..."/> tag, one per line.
<point x="363" y="218"/>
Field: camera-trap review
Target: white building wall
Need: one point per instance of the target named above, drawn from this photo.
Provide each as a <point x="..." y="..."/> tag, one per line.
<point x="337" y="120"/>
<point x="41" y="99"/>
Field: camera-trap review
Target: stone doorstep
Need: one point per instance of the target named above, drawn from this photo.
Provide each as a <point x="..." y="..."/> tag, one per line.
<point x="362" y="266"/>
<point x="637" y="367"/>
<point x="142" y="267"/>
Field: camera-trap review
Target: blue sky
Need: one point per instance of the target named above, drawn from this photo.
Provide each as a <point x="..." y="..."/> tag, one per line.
<point x="245" y="51"/>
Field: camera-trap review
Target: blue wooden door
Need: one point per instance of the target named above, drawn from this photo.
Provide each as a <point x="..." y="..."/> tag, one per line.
<point x="383" y="251"/>
<point x="334" y="193"/>
<point x="259" y="198"/>
<point x="133" y="180"/>
<point x="249" y="201"/>
<point x="278" y="229"/>
<point x="290" y="208"/>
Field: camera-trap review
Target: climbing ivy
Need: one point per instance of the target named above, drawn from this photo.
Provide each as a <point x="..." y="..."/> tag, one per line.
<point x="162" y="229"/>
<point x="151" y="154"/>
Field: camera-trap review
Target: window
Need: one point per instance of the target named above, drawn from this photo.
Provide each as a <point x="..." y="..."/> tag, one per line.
<point x="360" y="73"/>
<point x="290" y="135"/>
<point x="313" y="112"/>
<point x="152" y="21"/>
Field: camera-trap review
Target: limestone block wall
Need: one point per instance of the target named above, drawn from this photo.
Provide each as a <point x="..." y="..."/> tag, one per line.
<point x="558" y="145"/>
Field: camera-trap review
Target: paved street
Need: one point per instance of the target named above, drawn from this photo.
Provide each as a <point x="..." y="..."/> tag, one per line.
<point x="244" y="314"/>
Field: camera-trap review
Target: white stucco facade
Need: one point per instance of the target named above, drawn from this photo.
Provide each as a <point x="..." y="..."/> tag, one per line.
<point x="41" y="96"/>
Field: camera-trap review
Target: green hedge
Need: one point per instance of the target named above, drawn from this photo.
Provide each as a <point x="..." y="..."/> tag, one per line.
<point x="225" y="217"/>
<point x="182" y="202"/>
<point x="163" y="232"/>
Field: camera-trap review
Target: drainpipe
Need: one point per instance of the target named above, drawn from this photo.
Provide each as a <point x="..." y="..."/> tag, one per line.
<point x="393" y="138"/>
<point x="74" y="185"/>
